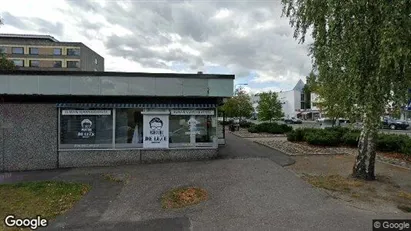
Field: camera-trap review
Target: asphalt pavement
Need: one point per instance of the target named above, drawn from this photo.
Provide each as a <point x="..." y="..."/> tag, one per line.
<point x="248" y="190"/>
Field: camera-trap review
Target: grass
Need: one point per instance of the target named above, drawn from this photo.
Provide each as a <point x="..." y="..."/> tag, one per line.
<point x="404" y="208"/>
<point x="183" y="197"/>
<point x="47" y="199"/>
<point x="333" y="182"/>
<point x="110" y="177"/>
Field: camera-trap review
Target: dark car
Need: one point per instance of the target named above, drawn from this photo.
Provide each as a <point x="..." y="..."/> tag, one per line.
<point x="292" y="120"/>
<point x="394" y="124"/>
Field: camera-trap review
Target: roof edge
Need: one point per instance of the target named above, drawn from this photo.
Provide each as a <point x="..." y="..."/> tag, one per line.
<point x="119" y="74"/>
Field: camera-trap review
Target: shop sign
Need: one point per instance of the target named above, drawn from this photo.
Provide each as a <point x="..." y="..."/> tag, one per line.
<point x="155" y="131"/>
<point x="192" y="112"/>
<point x="86" y="130"/>
<point x="86" y="112"/>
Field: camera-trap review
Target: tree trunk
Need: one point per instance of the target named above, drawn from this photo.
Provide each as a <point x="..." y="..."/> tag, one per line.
<point x="364" y="167"/>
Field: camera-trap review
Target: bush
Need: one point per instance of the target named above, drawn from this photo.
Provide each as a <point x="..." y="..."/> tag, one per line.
<point x="273" y="128"/>
<point x="351" y="138"/>
<point x="292" y="136"/>
<point x="406" y="149"/>
<point x="341" y="131"/>
<point x="323" y="138"/>
<point x="245" y="124"/>
<point x="227" y="122"/>
<point x="252" y="129"/>
<point x="392" y="142"/>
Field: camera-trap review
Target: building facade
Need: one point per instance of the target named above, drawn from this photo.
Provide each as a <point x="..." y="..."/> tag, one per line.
<point x="43" y="52"/>
<point x="296" y="103"/>
<point x="52" y="119"/>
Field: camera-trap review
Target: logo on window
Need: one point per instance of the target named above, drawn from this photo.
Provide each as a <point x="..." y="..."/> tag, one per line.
<point x="156" y="131"/>
<point x="86" y="129"/>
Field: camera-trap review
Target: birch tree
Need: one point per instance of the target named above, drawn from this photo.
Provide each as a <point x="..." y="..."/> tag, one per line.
<point x="361" y="50"/>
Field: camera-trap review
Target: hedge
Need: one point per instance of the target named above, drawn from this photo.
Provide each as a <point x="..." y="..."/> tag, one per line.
<point x="273" y="128"/>
<point x="349" y="137"/>
<point x="245" y="124"/>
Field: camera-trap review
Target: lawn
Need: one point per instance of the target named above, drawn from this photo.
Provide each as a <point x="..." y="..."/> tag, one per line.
<point x="47" y="199"/>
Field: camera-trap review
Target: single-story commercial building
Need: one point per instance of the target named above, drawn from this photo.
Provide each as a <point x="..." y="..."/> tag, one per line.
<point x="53" y="119"/>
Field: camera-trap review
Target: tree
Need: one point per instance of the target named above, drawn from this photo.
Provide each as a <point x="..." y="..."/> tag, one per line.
<point x="6" y="64"/>
<point x="269" y="107"/>
<point x="362" y="54"/>
<point x="238" y="106"/>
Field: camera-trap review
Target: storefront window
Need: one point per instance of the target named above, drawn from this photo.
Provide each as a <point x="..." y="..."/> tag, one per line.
<point x="129" y="128"/>
<point x="86" y="128"/>
<point x="178" y="130"/>
<point x="191" y="130"/>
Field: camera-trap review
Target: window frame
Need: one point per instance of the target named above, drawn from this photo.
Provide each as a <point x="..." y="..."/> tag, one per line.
<point x="30" y="63"/>
<point x="32" y="48"/>
<point x="14" y="53"/>
<point x="73" y="48"/>
<point x="22" y="61"/>
<point x="54" y="51"/>
<point x="61" y="63"/>
<point x="3" y="50"/>
<point x="126" y="146"/>
<point x="68" y="147"/>
<point x="69" y="61"/>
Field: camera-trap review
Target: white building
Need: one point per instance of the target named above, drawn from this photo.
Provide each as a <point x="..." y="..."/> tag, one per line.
<point x="295" y="103"/>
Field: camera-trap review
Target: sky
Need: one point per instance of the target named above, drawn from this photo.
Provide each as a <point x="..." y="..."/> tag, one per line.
<point x="247" y="38"/>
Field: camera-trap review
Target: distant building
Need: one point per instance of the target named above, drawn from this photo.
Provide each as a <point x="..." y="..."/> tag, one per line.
<point x="44" y="52"/>
<point x="295" y="103"/>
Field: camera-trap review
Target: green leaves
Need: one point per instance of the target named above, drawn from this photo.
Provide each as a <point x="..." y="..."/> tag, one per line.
<point x="269" y="107"/>
<point x="238" y="106"/>
<point x="6" y="64"/>
<point x="361" y="51"/>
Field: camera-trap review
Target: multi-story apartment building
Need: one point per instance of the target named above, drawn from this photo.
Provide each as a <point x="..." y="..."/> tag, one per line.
<point x="44" y="52"/>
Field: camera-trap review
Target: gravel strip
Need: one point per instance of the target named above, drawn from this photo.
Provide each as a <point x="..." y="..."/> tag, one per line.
<point x="303" y="149"/>
<point x="243" y="133"/>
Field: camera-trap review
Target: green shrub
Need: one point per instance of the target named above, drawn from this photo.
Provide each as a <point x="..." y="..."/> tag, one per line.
<point x="406" y="149"/>
<point x="252" y="129"/>
<point x="245" y="124"/>
<point x="322" y="137"/>
<point x="339" y="130"/>
<point x="292" y="136"/>
<point x="351" y="138"/>
<point x="227" y="122"/>
<point x="392" y="142"/>
<point x="273" y="128"/>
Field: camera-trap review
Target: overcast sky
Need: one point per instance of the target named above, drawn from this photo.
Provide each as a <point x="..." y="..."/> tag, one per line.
<point x="247" y="38"/>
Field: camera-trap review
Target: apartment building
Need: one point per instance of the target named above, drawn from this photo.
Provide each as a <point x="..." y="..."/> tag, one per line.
<point x="44" y="52"/>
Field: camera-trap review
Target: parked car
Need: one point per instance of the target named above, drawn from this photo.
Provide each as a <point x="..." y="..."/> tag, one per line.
<point x="394" y="124"/>
<point x="293" y="120"/>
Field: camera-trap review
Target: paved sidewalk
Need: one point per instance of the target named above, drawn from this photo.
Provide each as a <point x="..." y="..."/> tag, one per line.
<point x="241" y="148"/>
<point x="248" y="190"/>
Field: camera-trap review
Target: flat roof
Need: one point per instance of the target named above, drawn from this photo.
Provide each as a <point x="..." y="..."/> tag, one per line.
<point x="29" y="36"/>
<point x="118" y="74"/>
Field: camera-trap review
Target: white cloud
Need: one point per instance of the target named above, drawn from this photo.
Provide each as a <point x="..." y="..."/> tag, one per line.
<point x="239" y="37"/>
